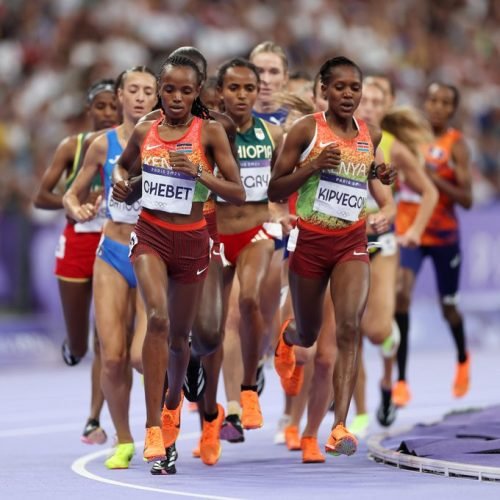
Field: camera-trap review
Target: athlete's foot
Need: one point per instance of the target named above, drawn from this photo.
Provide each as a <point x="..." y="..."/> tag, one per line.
<point x="462" y="378"/>
<point x="284" y="356"/>
<point x="260" y="378"/>
<point x="171" y="423"/>
<point x="232" y="430"/>
<point x="167" y="466"/>
<point x="121" y="457"/>
<point x="341" y="442"/>
<point x="292" y="438"/>
<point x="386" y="413"/>
<point x="196" y="451"/>
<point x="283" y="422"/>
<point x="251" y="416"/>
<point x="311" y="453"/>
<point x="401" y="394"/>
<point x="210" y="447"/>
<point x="153" y="445"/>
<point x="93" y="433"/>
<point x="293" y="385"/>
<point x="68" y="358"/>
<point x="359" y="426"/>
<point x="194" y="381"/>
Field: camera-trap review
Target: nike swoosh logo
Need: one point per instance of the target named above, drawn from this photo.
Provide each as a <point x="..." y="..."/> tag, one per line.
<point x="359" y="253"/>
<point x="325" y="144"/>
<point x="201" y="271"/>
<point x="153" y="147"/>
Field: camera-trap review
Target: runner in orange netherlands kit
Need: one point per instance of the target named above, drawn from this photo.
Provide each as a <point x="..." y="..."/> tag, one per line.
<point x="170" y="244"/>
<point x="447" y="161"/>
<point x="119" y="310"/>
<point x="77" y="246"/>
<point x="246" y="231"/>
<point x="335" y="158"/>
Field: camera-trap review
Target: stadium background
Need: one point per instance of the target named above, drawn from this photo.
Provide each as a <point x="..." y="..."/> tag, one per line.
<point x="51" y="50"/>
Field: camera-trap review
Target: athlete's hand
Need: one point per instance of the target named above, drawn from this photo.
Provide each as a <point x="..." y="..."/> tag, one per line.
<point x="87" y="211"/>
<point x="121" y="190"/>
<point x="386" y="174"/>
<point x="410" y="239"/>
<point x="181" y="163"/>
<point x="378" y="223"/>
<point x="287" y="223"/>
<point x="93" y="195"/>
<point x="328" y="159"/>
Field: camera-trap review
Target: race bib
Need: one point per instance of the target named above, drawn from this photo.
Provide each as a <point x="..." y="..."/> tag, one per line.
<point x="292" y="239"/>
<point x="255" y="176"/>
<point x="340" y="197"/>
<point x="132" y="243"/>
<point x="166" y="190"/>
<point x="121" y="212"/>
<point x="388" y="244"/>
<point x="96" y="224"/>
<point x="61" y="247"/>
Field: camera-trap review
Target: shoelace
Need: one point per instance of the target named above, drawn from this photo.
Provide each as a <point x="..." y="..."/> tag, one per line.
<point x="210" y="431"/>
<point x="153" y="439"/>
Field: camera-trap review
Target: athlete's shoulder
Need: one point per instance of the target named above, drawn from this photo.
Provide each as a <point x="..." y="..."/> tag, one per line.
<point x="276" y="131"/>
<point x="226" y="121"/>
<point x="69" y="145"/>
<point x="374" y="131"/>
<point x="99" y="137"/>
<point x="156" y="114"/>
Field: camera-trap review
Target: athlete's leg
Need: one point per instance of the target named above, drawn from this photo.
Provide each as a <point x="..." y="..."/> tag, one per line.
<point x="349" y="289"/>
<point x="252" y="268"/>
<point x="76" y="298"/>
<point x="97" y="397"/>
<point x="139" y="332"/>
<point x="111" y="295"/>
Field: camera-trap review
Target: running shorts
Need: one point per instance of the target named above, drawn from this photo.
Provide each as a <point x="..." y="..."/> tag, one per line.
<point x="75" y="254"/>
<point x="184" y="248"/>
<point x="116" y="255"/>
<point x="314" y="254"/>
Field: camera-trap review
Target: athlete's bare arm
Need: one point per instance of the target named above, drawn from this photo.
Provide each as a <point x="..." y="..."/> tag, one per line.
<point x="461" y="192"/>
<point x="63" y="159"/>
<point x="79" y="190"/>
<point x="415" y="177"/>
<point x="285" y="178"/>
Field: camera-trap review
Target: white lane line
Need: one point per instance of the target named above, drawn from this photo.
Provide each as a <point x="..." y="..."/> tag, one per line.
<point x="79" y="466"/>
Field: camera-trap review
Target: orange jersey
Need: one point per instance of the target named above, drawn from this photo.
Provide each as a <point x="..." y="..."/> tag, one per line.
<point x="442" y="228"/>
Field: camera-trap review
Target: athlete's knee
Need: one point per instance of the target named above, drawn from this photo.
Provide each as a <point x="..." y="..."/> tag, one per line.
<point x="378" y="332"/>
<point x="178" y="342"/>
<point x="348" y="331"/>
<point x="114" y="365"/>
<point x="403" y="300"/>
<point x="249" y="304"/>
<point x="323" y="365"/>
<point x="157" y="323"/>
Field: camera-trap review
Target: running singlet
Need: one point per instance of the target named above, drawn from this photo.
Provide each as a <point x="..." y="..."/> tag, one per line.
<point x="117" y="211"/>
<point x="94" y="225"/>
<point x="277" y="117"/>
<point x="255" y="149"/>
<point x="336" y="199"/>
<point x="442" y="228"/>
<point x="163" y="188"/>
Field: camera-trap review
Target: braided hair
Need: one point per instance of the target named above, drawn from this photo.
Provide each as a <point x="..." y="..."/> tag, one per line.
<point x="198" y="108"/>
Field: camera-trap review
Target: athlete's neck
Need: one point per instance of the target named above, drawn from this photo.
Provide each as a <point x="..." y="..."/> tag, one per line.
<point x="346" y="125"/>
<point x="125" y="130"/>
<point x="243" y="123"/>
<point x="439" y="130"/>
<point x="265" y="107"/>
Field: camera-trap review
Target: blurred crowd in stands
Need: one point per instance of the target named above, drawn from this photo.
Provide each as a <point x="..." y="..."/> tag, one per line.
<point x="51" y="50"/>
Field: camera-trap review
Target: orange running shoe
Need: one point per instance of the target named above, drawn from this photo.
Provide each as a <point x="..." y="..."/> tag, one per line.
<point x="171" y="423"/>
<point x="401" y="394"/>
<point x="293" y="385"/>
<point x="153" y="445"/>
<point x="311" y="454"/>
<point x="210" y="448"/>
<point x="284" y="357"/>
<point x="292" y="438"/>
<point x="462" y="378"/>
<point x="341" y="442"/>
<point x="251" y="416"/>
<point x="196" y="451"/>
